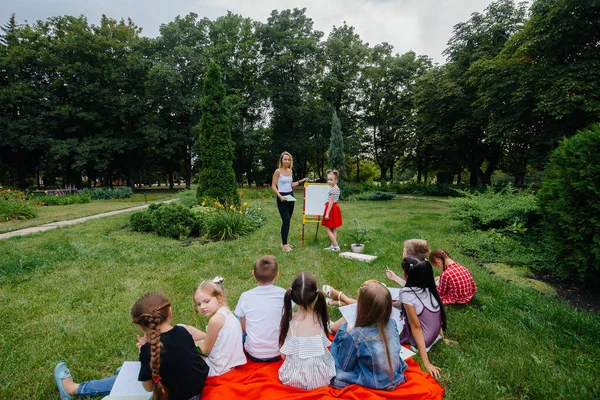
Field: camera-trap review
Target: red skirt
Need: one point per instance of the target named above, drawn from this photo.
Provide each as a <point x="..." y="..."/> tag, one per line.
<point x="335" y="216"/>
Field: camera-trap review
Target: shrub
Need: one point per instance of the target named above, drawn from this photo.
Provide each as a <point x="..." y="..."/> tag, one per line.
<point x="173" y="220"/>
<point x="141" y="221"/>
<point x="109" y="193"/>
<point x="188" y="198"/>
<point x="62" y="200"/>
<point x="226" y="225"/>
<point x="14" y="205"/>
<point x="425" y="189"/>
<point x="375" y="196"/>
<point x="570" y="203"/>
<point x="508" y="209"/>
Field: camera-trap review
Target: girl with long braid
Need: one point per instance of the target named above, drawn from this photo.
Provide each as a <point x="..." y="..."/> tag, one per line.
<point x="170" y="366"/>
<point x="303" y="336"/>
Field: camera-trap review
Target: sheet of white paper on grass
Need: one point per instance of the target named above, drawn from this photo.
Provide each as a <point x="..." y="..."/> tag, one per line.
<point x="289" y="197"/>
<point x="127" y="384"/>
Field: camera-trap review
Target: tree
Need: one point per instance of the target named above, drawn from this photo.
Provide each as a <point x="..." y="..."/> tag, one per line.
<point x="570" y="202"/>
<point x="217" y="178"/>
<point x="335" y="154"/>
<point x="289" y="46"/>
<point x="482" y="37"/>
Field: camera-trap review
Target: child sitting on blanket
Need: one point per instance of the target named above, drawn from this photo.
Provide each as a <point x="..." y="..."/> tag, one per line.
<point x="222" y="342"/>
<point x="260" y="310"/>
<point x="303" y="336"/>
<point x="368" y="354"/>
<point x="170" y="365"/>
<point x="414" y="248"/>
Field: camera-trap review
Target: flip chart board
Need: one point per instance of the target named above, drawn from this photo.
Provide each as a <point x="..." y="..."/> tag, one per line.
<point x="315" y="197"/>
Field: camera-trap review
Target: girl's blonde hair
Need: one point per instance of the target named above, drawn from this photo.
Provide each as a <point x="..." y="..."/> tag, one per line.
<point x="285" y="153"/>
<point x="335" y="173"/>
<point x="213" y="288"/>
<point x="440" y="255"/>
<point x="374" y="307"/>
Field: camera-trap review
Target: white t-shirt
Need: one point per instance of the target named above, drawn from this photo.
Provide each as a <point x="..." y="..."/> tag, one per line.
<point x="407" y="296"/>
<point x="262" y="307"/>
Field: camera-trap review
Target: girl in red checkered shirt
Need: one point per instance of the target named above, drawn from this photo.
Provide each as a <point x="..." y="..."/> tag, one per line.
<point x="456" y="285"/>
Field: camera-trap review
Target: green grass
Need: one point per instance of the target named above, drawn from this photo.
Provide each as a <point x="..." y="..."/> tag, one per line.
<point x="47" y="214"/>
<point x="65" y="295"/>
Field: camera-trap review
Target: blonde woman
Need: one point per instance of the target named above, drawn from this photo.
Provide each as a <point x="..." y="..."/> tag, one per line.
<point x="283" y="185"/>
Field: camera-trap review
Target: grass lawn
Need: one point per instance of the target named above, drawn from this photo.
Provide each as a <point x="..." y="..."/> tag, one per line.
<point x="65" y="295"/>
<point x="47" y="214"/>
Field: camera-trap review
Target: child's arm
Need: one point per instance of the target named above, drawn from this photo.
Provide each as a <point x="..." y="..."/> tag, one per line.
<point x="215" y="324"/>
<point x="417" y="332"/>
<point x="243" y="324"/>
<point x="329" y="205"/>
<point x="196" y="333"/>
<point x="391" y="275"/>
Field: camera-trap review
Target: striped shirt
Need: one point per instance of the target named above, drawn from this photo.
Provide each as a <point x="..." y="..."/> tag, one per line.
<point x="308" y="363"/>
<point x="456" y="285"/>
<point x="335" y="191"/>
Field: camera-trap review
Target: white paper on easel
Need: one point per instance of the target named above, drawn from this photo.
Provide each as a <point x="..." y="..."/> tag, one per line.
<point x="127" y="384"/>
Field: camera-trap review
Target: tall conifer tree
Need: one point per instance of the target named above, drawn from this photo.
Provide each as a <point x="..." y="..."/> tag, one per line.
<point x="217" y="178"/>
<point x="335" y="154"/>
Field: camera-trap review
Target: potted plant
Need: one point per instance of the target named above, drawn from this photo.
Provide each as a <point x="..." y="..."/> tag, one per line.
<point x="358" y="236"/>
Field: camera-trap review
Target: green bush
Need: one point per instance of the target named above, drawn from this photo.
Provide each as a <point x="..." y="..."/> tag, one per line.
<point x="141" y="221"/>
<point x="108" y="193"/>
<point x="425" y="189"/>
<point x="174" y="221"/>
<point x="227" y="225"/>
<point x="57" y="200"/>
<point x="570" y="203"/>
<point x="510" y="209"/>
<point x="14" y="205"/>
<point x="375" y="196"/>
<point x="188" y="198"/>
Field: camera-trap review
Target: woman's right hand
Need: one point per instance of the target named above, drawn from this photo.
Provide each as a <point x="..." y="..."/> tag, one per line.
<point x="282" y="198"/>
<point x="433" y="370"/>
<point x="390" y="274"/>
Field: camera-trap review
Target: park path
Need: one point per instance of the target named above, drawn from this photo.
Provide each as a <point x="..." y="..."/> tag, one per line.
<point x="58" y="224"/>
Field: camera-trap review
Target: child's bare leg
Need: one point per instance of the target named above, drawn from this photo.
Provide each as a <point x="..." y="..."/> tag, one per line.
<point x="332" y="233"/>
<point x="70" y="386"/>
<point x="336" y="294"/>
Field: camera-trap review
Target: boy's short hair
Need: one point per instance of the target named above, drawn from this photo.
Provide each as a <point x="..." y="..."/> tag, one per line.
<point x="417" y="248"/>
<point x="265" y="269"/>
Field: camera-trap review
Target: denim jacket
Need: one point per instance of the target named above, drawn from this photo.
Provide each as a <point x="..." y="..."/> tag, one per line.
<point x="360" y="358"/>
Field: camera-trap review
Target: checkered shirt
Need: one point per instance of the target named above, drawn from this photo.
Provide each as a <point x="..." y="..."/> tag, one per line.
<point x="456" y="285"/>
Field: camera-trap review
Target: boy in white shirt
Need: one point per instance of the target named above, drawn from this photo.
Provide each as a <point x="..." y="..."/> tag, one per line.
<point x="260" y="310"/>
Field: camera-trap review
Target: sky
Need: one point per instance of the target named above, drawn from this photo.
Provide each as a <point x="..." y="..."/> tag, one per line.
<point x="423" y="26"/>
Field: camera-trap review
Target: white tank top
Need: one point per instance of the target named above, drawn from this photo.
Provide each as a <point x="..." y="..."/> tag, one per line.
<point x="284" y="183"/>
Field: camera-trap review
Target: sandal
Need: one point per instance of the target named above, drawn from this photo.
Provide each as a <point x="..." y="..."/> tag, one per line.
<point x="327" y="290"/>
<point x="333" y="303"/>
<point x="61" y="372"/>
<point x="286" y="248"/>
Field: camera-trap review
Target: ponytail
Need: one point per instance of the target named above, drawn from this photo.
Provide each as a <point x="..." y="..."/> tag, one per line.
<point x="284" y="325"/>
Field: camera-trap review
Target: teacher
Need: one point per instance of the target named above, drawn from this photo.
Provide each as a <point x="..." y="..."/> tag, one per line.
<point x="282" y="185"/>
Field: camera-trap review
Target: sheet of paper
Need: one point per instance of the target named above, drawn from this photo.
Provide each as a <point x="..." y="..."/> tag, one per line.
<point x="127" y="383"/>
<point x="349" y="314"/>
<point x="406" y="353"/>
<point x="395" y="292"/>
<point x="289" y="197"/>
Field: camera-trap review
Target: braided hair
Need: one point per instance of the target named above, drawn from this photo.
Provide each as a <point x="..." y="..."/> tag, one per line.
<point x="151" y="310"/>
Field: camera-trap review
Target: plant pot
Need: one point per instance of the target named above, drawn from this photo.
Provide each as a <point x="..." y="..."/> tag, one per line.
<point x="357" y="247"/>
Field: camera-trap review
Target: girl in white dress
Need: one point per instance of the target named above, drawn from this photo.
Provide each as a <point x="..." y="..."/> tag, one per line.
<point x="303" y="336"/>
<point x="222" y="342"/>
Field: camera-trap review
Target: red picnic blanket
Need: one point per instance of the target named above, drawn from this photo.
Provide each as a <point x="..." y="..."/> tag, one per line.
<point x="261" y="381"/>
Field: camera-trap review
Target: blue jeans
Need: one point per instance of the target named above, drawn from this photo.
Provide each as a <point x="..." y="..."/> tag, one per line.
<point x="99" y="387"/>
